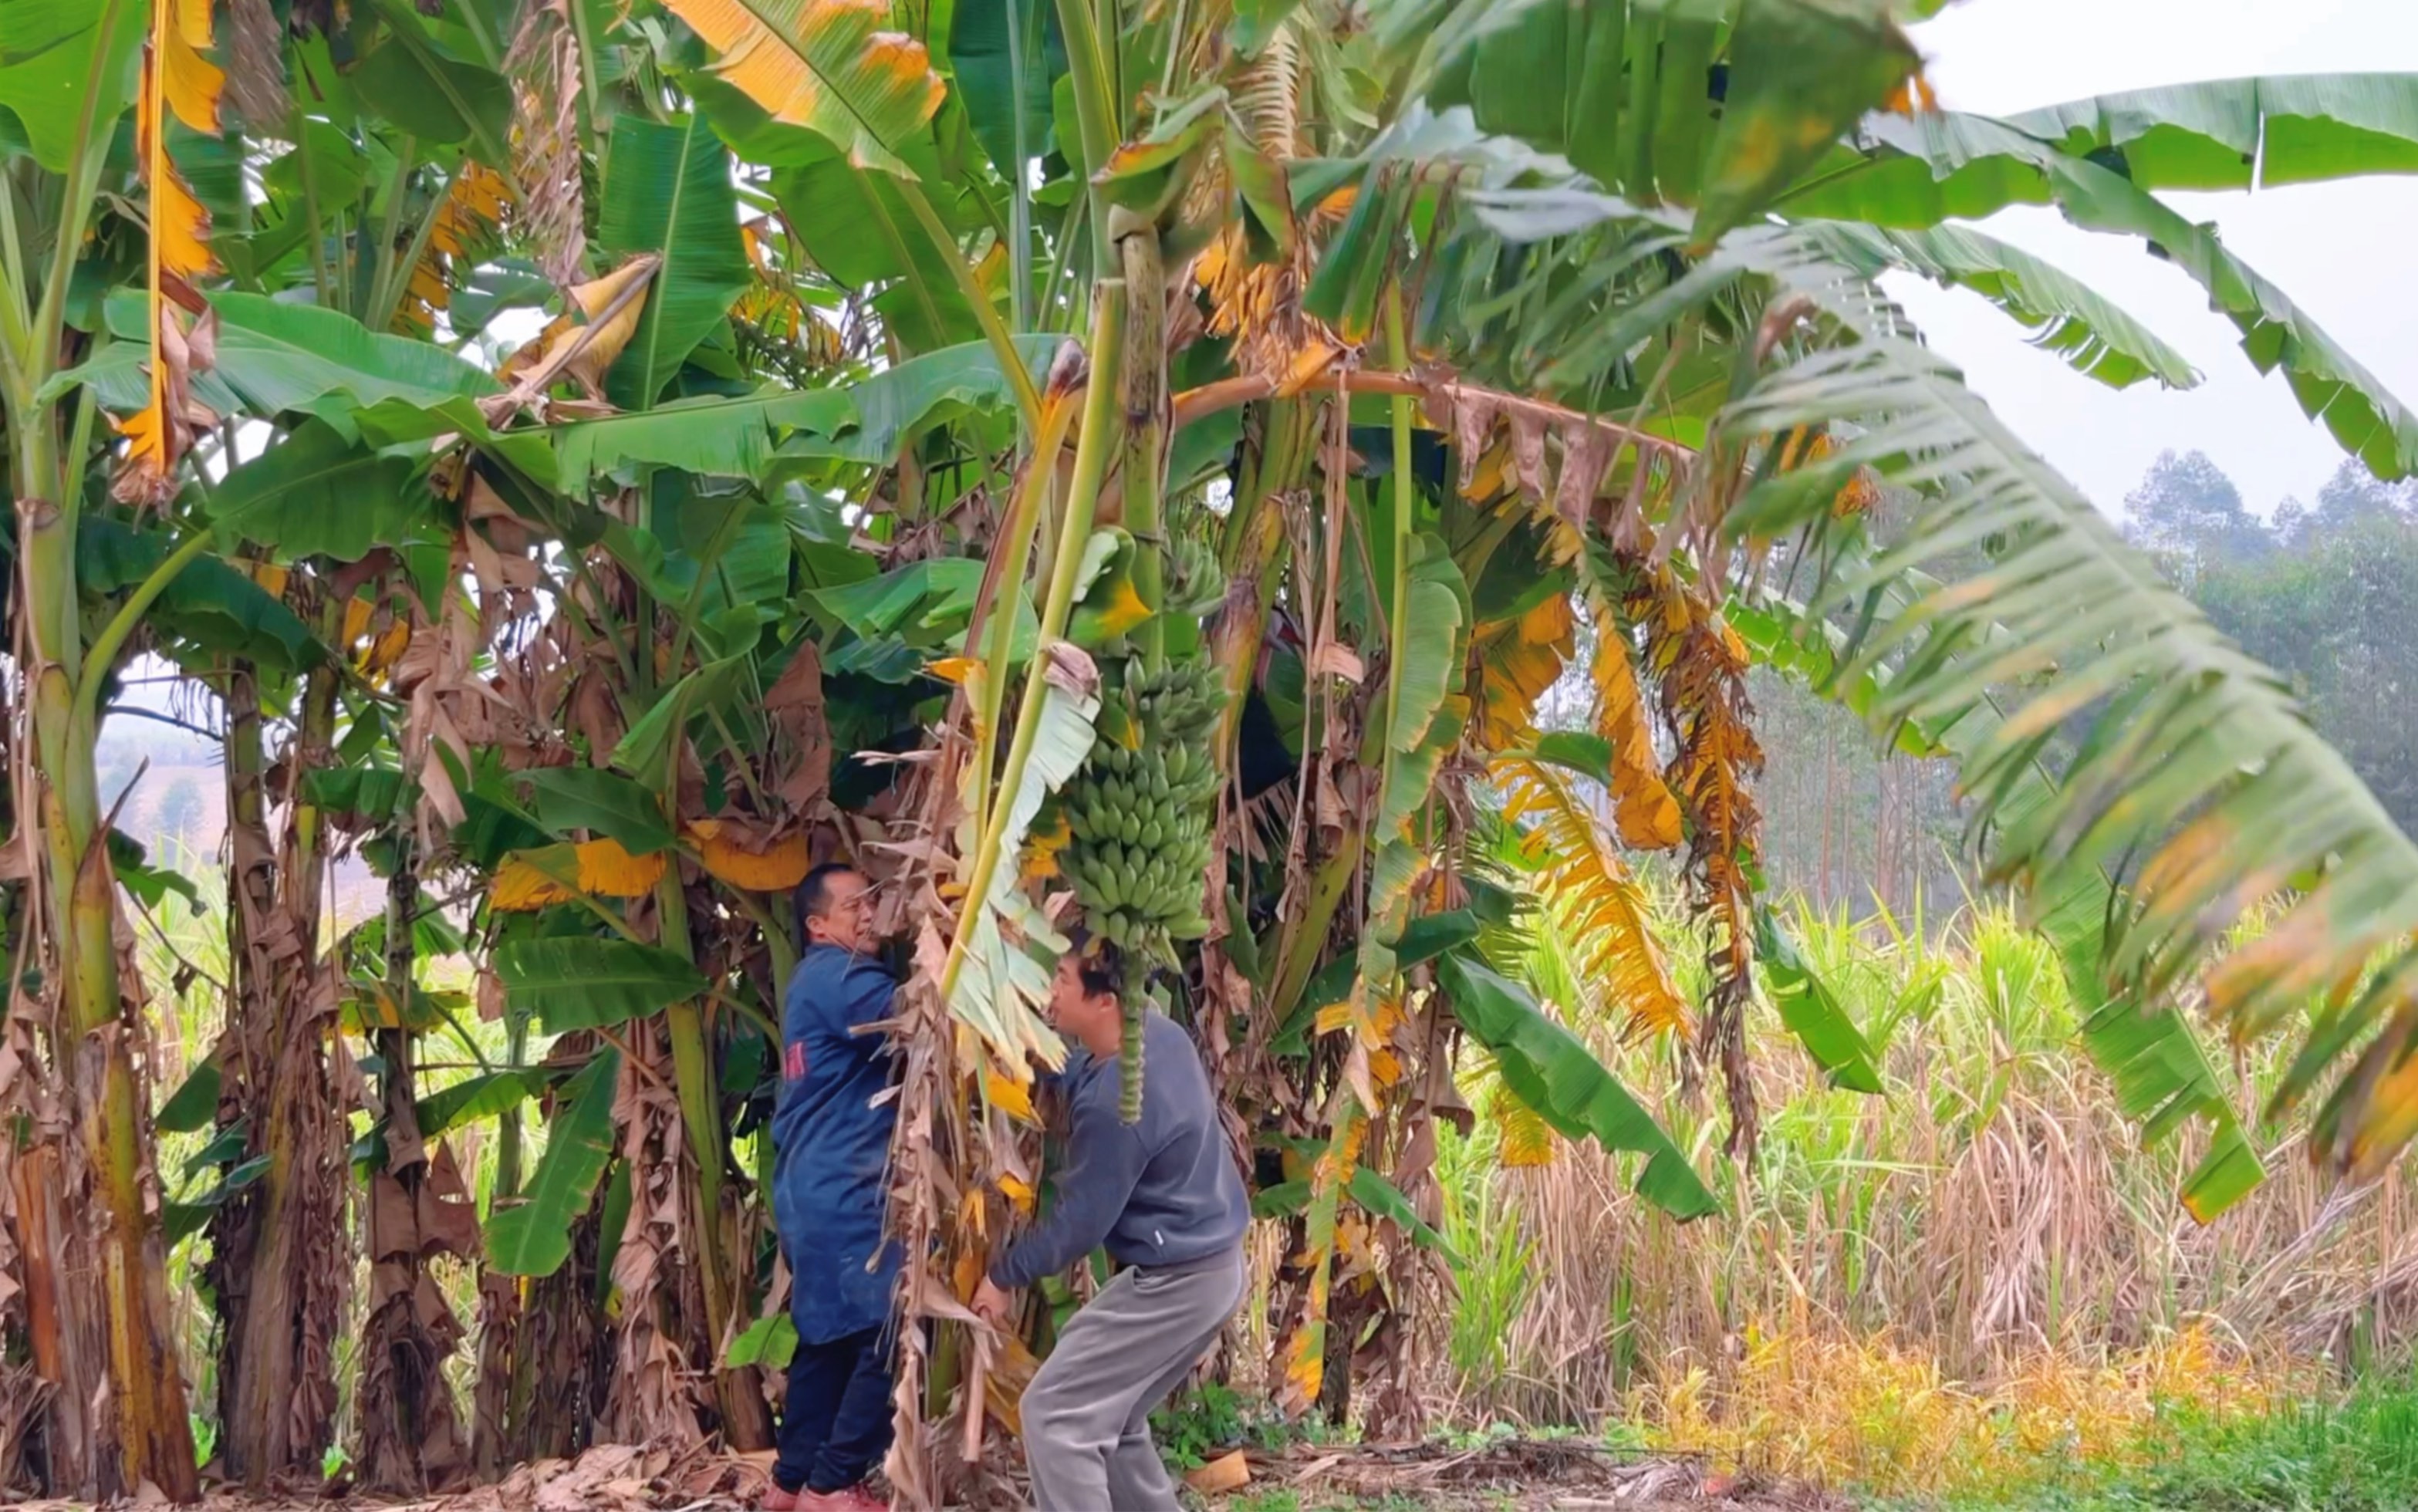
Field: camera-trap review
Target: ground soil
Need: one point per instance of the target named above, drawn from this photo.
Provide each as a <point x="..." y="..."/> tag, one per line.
<point x="1515" y="1476"/>
<point x="1520" y="1476"/>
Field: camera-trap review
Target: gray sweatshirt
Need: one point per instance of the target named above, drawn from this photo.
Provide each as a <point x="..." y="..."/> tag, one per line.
<point x="1162" y="1191"/>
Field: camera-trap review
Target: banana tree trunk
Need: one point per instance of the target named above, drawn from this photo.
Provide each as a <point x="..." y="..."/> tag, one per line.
<point x="545" y="1347"/>
<point x="117" y="1417"/>
<point x="500" y="1318"/>
<point x="283" y="1256"/>
<point x="410" y="1439"/>
<point x="747" y="1420"/>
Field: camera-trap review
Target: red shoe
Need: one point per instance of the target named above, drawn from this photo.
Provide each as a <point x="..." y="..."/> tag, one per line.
<point x="850" y="1499"/>
<point x="776" y="1499"/>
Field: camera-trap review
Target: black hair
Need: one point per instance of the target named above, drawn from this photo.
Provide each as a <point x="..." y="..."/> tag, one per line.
<point x="814" y="891"/>
<point x="1098" y="964"/>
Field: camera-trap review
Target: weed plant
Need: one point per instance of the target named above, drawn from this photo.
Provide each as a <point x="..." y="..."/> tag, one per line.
<point x="1933" y="1291"/>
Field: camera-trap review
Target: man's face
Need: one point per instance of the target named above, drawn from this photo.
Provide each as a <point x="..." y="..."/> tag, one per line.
<point x="847" y="918"/>
<point x="1070" y="1006"/>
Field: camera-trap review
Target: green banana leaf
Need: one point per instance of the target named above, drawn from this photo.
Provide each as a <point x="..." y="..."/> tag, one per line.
<point x="1810" y="1009"/>
<point x="1551" y="1072"/>
<point x="533" y="1238"/>
<point x="667" y="189"/>
<point x="319" y="494"/>
<point x="593" y="798"/>
<point x="481" y="1096"/>
<point x="588" y="984"/>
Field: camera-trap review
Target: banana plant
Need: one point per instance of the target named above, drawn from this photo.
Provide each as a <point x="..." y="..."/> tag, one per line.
<point x="909" y="390"/>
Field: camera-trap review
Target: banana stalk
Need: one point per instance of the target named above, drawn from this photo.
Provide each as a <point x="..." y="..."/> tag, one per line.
<point x="1101" y="433"/>
<point x="1146" y="417"/>
<point x="1013" y="549"/>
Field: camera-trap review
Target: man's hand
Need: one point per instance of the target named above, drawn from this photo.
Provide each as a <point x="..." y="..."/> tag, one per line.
<point x="991" y="1304"/>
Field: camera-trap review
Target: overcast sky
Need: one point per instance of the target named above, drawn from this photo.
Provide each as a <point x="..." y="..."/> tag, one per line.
<point x="2347" y="253"/>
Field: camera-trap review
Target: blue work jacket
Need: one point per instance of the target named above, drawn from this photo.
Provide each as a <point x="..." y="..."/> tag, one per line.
<point x="832" y="1145"/>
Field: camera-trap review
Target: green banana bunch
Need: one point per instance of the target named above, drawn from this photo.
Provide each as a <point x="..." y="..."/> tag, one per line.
<point x="1196" y="584"/>
<point x="1139" y="811"/>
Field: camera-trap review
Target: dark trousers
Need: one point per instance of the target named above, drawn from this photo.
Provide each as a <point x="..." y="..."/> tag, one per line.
<point x="836" y="1424"/>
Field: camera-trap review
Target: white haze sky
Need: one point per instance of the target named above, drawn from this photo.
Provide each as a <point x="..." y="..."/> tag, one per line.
<point x="2347" y="253"/>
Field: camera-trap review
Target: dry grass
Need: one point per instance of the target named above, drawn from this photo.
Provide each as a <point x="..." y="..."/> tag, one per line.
<point x="1916" y="1291"/>
<point x="1888" y="1420"/>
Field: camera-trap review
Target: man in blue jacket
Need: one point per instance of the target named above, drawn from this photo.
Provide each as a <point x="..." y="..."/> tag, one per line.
<point x="1164" y="1197"/>
<point x="831" y="1146"/>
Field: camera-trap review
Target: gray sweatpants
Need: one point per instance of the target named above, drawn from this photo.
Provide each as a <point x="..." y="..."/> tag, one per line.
<point x="1086" y="1416"/>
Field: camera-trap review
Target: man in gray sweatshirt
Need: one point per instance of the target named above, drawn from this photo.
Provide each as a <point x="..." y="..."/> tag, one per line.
<point x="1164" y="1197"/>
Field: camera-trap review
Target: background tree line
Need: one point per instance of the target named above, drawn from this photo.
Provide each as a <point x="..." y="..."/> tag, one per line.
<point x="2318" y="591"/>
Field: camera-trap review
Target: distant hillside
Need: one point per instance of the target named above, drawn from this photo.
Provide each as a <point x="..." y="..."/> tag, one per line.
<point x="169" y="793"/>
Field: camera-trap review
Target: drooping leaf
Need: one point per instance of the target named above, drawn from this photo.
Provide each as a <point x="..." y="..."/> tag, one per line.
<point x="1605" y="909"/>
<point x="533" y="1238"/>
<point x="372" y="1006"/>
<point x="354" y="797"/>
<point x="770" y="1343"/>
<point x="150" y="885"/>
<point x="1426" y="663"/>
<point x="926" y="603"/>
<point x="651" y="743"/>
<point x="898" y="402"/>
<point x="1947" y="165"/>
<point x="2162" y="1075"/>
<point x="1377" y="1195"/>
<point x="1343" y="292"/>
<point x="531" y="880"/>
<point x="862" y="230"/>
<point x="2193" y="750"/>
<point x="2214" y="134"/>
<point x="1110" y="604"/>
<point x="209" y="609"/>
<point x="1810" y="1009"/>
<point x="1518" y="659"/>
<point x="1523" y="1138"/>
<point x="582" y="984"/>
<point x="774" y="868"/>
<point x="2079" y="324"/>
<point x="724" y="437"/>
<point x="1145" y="175"/>
<point x="1552" y="1073"/>
<point x="180" y="83"/>
<point x="1003" y="986"/>
<point x="1431" y="934"/>
<point x="1643" y="803"/>
<point x="1577" y="751"/>
<point x="180" y="1221"/>
<point x="2290" y="129"/>
<point x="1304" y="1366"/>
